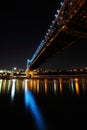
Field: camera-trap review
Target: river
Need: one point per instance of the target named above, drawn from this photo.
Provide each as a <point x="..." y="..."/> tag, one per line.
<point x="43" y="104"/>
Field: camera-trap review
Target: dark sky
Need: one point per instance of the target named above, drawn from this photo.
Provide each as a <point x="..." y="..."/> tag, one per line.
<point x="23" y="25"/>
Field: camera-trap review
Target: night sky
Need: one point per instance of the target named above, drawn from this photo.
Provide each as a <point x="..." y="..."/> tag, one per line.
<point x="23" y="25"/>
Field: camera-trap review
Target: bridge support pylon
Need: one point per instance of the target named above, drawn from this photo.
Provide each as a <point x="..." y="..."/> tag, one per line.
<point x="27" y="67"/>
<point x="28" y="64"/>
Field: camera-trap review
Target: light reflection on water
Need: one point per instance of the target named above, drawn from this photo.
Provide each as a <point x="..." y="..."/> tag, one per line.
<point x="46" y="86"/>
<point x="50" y="102"/>
<point x="13" y="89"/>
<point x="31" y="105"/>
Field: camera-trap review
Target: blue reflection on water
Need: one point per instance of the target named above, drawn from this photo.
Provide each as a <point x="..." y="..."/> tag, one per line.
<point x="31" y="105"/>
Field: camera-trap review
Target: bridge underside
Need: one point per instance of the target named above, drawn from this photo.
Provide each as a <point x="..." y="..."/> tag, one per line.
<point x="59" y="44"/>
<point x="65" y="36"/>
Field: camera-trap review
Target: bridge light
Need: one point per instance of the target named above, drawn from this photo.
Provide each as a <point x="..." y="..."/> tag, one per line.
<point x="58" y="11"/>
<point x="50" y="26"/>
<point x="71" y="3"/>
<point x="47" y="34"/>
<point x="61" y="3"/>
<point x="56" y="15"/>
<point x="28" y="60"/>
<point x="61" y="18"/>
<point x="48" y="30"/>
<point x="42" y="41"/>
<point x="53" y="22"/>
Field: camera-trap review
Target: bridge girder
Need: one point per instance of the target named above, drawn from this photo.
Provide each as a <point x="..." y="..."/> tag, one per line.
<point x="70" y="30"/>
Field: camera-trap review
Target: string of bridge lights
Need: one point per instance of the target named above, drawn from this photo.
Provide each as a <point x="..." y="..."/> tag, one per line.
<point x="56" y="22"/>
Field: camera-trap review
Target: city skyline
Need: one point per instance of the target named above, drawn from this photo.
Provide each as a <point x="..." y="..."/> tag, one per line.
<point x="23" y="26"/>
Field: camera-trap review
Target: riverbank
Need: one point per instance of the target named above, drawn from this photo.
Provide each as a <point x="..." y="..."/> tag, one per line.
<point x="44" y="76"/>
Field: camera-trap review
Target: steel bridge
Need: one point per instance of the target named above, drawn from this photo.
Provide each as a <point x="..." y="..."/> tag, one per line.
<point x="68" y="27"/>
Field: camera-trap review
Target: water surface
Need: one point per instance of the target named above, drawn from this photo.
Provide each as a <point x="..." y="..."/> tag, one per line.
<point x="43" y="104"/>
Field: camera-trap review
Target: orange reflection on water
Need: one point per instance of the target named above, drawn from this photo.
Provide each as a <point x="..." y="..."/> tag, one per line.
<point x="30" y="84"/>
<point x="35" y="86"/>
<point x="38" y="83"/>
<point x="60" y="83"/>
<point x="4" y="85"/>
<point x="45" y="86"/>
<point x="18" y="85"/>
<point x="77" y="86"/>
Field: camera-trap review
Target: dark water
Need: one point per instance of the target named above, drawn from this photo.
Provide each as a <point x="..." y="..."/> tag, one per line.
<point x="47" y="104"/>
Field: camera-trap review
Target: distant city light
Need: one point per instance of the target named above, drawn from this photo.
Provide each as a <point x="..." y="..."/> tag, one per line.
<point x="1" y="71"/>
<point x="61" y="3"/>
<point x="14" y="68"/>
